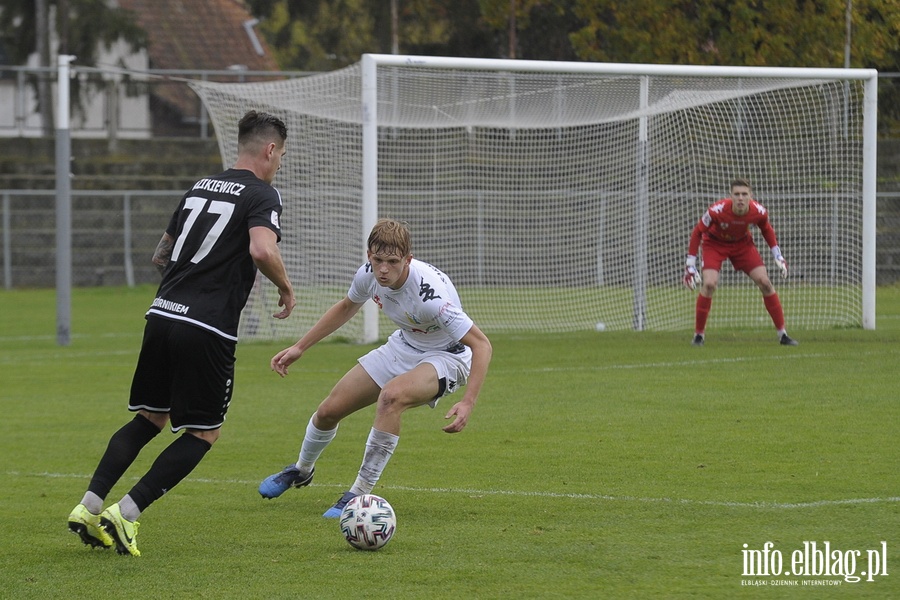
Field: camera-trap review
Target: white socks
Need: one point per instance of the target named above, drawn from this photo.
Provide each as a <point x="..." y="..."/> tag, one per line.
<point x="314" y="443"/>
<point x="379" y="448"/>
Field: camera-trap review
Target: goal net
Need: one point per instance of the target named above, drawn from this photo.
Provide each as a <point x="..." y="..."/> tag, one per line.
<point x="560" y="196"/>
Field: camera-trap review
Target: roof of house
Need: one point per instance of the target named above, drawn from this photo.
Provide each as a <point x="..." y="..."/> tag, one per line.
<point x="199" y="35"/>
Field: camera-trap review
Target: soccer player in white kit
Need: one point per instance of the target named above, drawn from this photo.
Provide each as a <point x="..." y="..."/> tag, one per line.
<point x="437" y="350"/>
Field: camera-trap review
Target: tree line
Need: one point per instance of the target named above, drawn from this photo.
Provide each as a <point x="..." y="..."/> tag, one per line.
<point x="319" y="35"/>
<point x="325" y="34"/>
<point x="322" y="35"/>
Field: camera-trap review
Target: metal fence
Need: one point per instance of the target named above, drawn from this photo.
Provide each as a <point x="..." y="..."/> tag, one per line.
<point x="114" y="235"/>
<point x="115" y="232"/>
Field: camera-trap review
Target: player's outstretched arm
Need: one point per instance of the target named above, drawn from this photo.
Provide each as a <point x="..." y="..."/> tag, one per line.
<point x="691" y="277"/>
<point x="481" y="358"/>
<point x="281" y="361"/>
<point x="780" y="261"/>
<point x="267" y="257"/>
<point x="328" y="323"/>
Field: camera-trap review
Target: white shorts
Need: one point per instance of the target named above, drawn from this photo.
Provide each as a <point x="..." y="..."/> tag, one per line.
<point x="396" y="357"/>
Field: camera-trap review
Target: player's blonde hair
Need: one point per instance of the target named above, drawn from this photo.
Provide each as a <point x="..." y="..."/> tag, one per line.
<point x="390" y="237"/>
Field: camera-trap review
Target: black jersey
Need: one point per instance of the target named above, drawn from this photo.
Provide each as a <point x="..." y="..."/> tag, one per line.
<point x="210" y="274"/>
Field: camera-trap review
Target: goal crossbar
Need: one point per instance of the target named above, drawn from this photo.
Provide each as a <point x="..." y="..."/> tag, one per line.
<point x="503" y="146"/>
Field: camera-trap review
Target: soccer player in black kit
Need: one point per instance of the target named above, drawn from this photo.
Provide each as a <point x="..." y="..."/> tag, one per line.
<point x="225" y="228"/>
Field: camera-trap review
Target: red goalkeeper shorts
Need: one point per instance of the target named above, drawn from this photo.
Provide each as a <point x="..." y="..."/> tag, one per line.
<point x="743" y="255"/>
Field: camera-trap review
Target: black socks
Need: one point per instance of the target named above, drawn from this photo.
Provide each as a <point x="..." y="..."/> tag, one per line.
<point x="170" y="467"/>
<point x="123" y="448"/>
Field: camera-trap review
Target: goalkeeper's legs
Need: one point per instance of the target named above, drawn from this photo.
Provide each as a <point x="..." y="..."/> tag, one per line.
<point x="701" y="314"/>
<point x="704" y="302"/>
<point x="773" y="306"/>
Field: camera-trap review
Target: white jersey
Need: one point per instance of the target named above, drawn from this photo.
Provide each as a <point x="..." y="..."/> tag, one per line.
<point x="426" y="308"/>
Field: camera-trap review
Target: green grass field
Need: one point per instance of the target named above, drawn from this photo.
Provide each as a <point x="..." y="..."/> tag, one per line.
<point x="596" y="465"/>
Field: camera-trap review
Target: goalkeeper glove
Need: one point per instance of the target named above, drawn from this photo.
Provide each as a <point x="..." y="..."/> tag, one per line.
<point x="779" y="260"/>
<point x="691" y="277"/>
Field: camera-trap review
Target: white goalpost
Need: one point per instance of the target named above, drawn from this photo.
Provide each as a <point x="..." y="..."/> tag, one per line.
<point x="560" y="196"/>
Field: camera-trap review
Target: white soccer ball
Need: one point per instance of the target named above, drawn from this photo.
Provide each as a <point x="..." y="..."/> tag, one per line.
<point x="600" y="326"/>
<point x="368" y="522"/>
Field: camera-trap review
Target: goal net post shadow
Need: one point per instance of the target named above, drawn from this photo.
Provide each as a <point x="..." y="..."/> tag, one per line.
<point x="560" y="196"/>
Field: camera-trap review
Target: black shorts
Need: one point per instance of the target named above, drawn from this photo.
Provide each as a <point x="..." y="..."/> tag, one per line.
<point x="185" y="371"/>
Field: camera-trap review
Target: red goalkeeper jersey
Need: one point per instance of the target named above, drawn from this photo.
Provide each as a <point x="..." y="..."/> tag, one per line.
<point x="720" y="224"/>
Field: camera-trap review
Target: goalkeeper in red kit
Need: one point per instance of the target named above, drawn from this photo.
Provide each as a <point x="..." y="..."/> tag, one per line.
<point x="724" y="231"/>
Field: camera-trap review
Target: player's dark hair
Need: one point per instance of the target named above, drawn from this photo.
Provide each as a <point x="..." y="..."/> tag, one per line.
<point x="390" y="237"/>
<point x="741" y="181"/>
<point x="260" y="126"/>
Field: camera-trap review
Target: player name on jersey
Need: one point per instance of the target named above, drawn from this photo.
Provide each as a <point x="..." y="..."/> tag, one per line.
<point x="219" y="186"/>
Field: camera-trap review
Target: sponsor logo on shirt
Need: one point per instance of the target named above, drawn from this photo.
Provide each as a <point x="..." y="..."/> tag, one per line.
<point x="170" y="306"/>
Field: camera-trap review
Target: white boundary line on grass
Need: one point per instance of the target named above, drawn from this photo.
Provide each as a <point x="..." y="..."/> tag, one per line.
<point x="44" y="357"/>
<point x="693" y="362"/>
<point x="526" y="494"/>
<point x="75" y="336"/>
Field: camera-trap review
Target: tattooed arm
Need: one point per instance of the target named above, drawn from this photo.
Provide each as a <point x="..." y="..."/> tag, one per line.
<point x="163" y="252"/>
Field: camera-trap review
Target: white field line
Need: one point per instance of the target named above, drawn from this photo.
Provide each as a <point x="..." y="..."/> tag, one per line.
<point x="42" y="358"/>
<point x="693" y="362"/>
<point x="75" y="336"/>
<point x="534" y="494"/>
